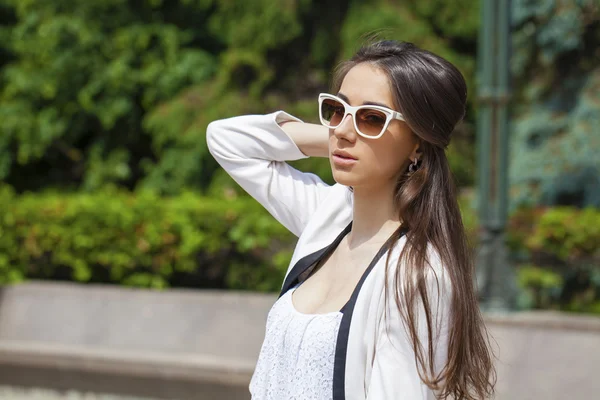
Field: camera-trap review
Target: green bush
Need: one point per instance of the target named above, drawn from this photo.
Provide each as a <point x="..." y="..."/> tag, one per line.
<point x="567" y="241"/>
<point x="141" y="239"/>
<point x="557" y="254"/>
<point x="229" y="241"/>
<point x="571" y="235"/>
<point x="539" y="287"/>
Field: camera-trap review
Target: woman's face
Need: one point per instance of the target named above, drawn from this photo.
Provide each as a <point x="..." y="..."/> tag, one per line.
<point x="377" y="162"/>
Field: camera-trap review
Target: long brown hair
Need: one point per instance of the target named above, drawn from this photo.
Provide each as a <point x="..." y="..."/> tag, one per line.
<point x="431" y="94"/>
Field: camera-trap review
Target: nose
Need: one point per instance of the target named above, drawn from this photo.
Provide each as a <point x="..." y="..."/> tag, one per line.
<point x="346" y="129"/>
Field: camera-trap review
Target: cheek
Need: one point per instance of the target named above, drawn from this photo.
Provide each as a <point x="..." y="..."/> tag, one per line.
<point x="389" y="156"/>
<point x="333" y="141"/>
<point x="386" y="161"/>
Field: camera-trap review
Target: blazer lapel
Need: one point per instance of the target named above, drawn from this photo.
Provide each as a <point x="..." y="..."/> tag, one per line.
<point x="307" y="261"/>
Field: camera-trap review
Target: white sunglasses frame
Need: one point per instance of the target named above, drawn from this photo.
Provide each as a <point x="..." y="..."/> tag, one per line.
<point x="389" y="113"/>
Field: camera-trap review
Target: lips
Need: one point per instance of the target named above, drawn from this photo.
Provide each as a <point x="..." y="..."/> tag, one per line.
<point x="344" y="155"/>
<point x="343" y="160"/>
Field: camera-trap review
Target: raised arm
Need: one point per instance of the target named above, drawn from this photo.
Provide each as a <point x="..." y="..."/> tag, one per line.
<point x="311" y="139"/>
<point x="253" y="150"/>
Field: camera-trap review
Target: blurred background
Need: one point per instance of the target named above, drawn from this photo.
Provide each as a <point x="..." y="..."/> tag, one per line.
<point x="107" y="184"/>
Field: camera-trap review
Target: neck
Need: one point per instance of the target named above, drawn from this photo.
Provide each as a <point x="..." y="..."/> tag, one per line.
<point x="374" y="216"/>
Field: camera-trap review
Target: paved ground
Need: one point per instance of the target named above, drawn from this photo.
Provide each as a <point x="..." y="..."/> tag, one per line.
<point x="12" y="393"/>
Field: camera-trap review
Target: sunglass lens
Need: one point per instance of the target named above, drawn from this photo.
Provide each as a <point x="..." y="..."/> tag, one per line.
<point x="370" y="121"/>
<point x="332" y="111"/>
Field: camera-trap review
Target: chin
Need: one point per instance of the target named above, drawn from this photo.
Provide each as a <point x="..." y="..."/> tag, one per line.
<point x="346" y="178"/>
<point x="350" y="178"/>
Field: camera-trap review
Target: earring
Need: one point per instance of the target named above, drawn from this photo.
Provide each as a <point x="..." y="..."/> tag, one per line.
<point x="414" y="166"/>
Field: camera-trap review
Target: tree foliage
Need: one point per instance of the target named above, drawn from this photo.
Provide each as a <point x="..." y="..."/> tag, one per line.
<point x="113" y="91"/>
<point x="83" y="76"/>
<point x="556" y="66"/>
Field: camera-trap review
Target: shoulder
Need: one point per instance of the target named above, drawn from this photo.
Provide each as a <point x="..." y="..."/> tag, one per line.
<point x="335" y="210"/>
<point x="341" y="195"/>
<point x="332" y="210"/>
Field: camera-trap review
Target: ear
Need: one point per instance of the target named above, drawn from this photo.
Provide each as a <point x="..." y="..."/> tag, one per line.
<point x="416" y="152"/>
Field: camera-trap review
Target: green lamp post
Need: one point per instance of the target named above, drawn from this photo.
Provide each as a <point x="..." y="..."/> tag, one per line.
<point x="494" y="273"/>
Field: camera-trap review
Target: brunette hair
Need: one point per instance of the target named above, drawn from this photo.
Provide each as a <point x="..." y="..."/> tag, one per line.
<point x="431" y="94"/>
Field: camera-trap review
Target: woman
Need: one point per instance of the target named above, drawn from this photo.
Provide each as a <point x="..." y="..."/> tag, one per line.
<point x="378" y="302"/>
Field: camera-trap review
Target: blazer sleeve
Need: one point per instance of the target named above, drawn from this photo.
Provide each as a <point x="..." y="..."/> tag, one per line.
<point x="253" y="149"/>
<point x="394" y="373"/>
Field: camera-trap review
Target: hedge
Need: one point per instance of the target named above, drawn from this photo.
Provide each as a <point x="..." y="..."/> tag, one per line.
<point x="557" y="255"/>
<point x="230" y="242"/>
<point x="113" y="236"/>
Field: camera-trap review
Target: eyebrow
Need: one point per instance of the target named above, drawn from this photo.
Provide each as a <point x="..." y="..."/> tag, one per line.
<point x="366" y="103"/>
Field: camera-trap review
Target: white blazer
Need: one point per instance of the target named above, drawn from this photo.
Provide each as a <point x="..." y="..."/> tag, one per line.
<point x="374" y="358"/>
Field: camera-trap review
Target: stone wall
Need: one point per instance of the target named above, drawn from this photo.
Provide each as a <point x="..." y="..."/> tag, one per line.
<point x="203" y="344"/>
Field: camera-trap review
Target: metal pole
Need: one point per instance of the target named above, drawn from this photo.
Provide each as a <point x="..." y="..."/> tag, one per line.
<point x="495" y="278"/>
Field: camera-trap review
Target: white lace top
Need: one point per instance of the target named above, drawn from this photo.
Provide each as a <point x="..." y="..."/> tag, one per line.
<point x="297" y="355"/>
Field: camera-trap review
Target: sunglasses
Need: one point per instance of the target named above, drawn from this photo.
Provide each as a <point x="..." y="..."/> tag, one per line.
<point x="370" y="121"/>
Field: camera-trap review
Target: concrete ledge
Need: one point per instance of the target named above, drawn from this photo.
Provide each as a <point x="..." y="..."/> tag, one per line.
<point x="184" y="344"/>
<point x="153" y="375"/>
<point x="177" y="321"/>
<point x="180" y="344"/>
<point x="545" y="320"/>
<point x="192" y="367"/>
<point x="67" y="380"/>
